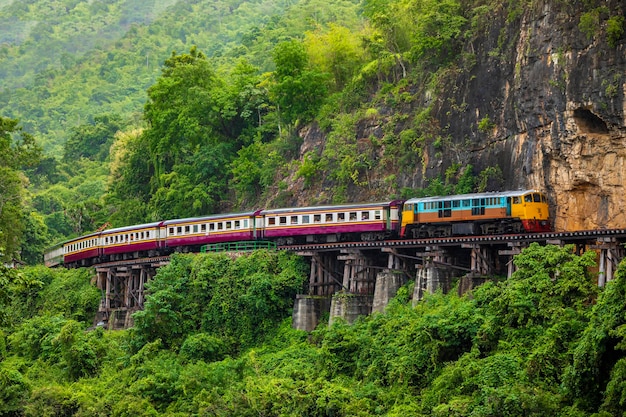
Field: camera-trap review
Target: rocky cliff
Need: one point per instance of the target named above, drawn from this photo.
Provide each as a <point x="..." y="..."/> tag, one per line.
<point x="557" y="99"/>
<point x="532" y="95"/>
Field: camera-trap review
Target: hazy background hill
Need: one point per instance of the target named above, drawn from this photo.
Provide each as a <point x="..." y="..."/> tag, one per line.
<point x="62" y="63"/>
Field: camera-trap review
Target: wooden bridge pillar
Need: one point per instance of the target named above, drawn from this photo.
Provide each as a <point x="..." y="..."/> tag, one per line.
<point x="358" y="275"/>
<point x="515" y="249"/>
<point x="122" y="293"/>
<point x="323" y="277"/>
<point x="482" y="262"/>
<point x="610" y="253"/>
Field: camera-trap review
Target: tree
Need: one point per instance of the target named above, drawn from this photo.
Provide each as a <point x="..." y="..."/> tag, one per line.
<point x="181" y="111"/>
<point x="337" y="51"/>
<point x="436" y="26"/>
<point x="35" y="238"/>
<point x="198" y="120"/>
<point x="298" y="90"/>
<point x="92" y="141"/>
<point x="130" y="178"/>
<point x="17" y="151"/>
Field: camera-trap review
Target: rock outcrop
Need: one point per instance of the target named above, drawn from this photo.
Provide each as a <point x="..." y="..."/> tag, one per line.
<point x="534" y="96"/>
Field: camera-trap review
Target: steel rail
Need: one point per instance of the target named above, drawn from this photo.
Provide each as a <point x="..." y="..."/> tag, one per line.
<point x="566" y="237"/>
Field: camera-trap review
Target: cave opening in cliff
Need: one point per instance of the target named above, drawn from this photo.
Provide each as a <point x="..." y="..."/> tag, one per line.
<point x="588" y="122"/>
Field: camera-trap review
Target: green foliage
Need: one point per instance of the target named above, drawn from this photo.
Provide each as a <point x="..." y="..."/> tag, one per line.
<point x="615" y="29"/>
<point x="100" y="57"/>
<point x="33" y="338"/>
<point x="130" y="176"/>
<point x="589" y="22"/>
<point x="216" y="339"/>
<point x="236" y="301"/>
<point x="72" y="206"/>
<point x="14" y="390"/>
<point x="35" y="239"/>
<point x="341" y="158"/>
<point x="290" y="59"/>
<point x="489" y="179"/>
<point x="485" y="125"/>
<point x="199" y="123"/>
<point x="202" y="346"/>
<point x="92" y="141"/>
<point x="299" y="90"/>
<point x="78" y="351"/>
<point x="181" y="110"/>
<point x="255" y="169"/>
<point x="309" y="168"/>
<point x="598" y="359"/>
<point x="438" y="26"/>
<point x="337" y="51"/>
<point x="54" y="292"/>
<point x="51" y="401"/>
<point x="18" y="150"/>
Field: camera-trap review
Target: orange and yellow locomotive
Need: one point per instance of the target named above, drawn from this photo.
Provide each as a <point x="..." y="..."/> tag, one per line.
<point x="475" y="214"/>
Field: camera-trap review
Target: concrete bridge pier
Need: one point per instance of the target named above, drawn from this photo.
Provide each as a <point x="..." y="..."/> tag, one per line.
<point x="307" y="311"/>
<point x="349" y="306"/>
<point x="388" y="282"/>
<point x="429" y="279"/>
<point x="324" y="281"/>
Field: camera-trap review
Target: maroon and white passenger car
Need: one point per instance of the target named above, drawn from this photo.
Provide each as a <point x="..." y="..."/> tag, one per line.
<point x="82" y="250"/>
<point x="367" y="221"/>
<point x="193" y="232"/>
<point x="136" y="241"/>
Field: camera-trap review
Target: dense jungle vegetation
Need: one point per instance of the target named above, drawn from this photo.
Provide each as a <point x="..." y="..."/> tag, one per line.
<point x="215" y="339"/>
<point x="126" y="111"/>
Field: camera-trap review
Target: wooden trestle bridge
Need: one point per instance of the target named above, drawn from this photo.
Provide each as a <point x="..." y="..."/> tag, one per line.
<point x="349" y="279"/>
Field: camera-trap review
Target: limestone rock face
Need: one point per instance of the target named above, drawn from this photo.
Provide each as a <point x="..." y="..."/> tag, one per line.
<point x="533" y="96"/>
<point x="557" y="103"/>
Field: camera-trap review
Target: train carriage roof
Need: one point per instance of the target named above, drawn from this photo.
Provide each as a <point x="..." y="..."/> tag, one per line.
<point x="80" y="238"/>
<point x="471" y="196"/>
<point x="211" y="217"/>
<point x="353" y="206"/>
<point x="131" y="228"/>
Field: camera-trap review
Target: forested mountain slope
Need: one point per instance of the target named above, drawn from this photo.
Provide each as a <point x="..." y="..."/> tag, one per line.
<point x="63" y="63"/>
<point x="270" y="103"/>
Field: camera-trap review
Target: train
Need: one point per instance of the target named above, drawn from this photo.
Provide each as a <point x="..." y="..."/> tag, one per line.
<point x="514" y="212"/>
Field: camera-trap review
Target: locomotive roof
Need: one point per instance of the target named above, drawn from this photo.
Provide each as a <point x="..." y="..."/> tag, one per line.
<point x="329" y="207"/>
<point x="470" y="196"/>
